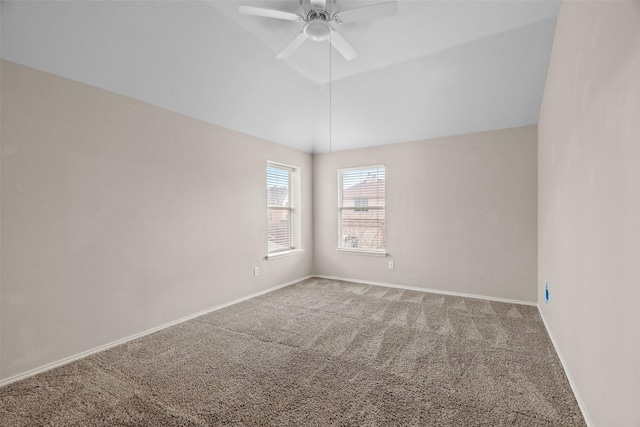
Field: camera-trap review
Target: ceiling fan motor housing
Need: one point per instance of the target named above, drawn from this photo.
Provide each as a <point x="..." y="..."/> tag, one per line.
<point x="313" y="15"/>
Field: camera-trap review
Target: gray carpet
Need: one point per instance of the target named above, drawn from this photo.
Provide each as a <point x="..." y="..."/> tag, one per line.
<point x="317" y="353"/>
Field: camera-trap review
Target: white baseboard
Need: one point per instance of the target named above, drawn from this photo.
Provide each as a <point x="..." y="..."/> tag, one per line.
<point x="581" y="405"/>
<point x="78" y="356"/>
<point x="433" y="291"/>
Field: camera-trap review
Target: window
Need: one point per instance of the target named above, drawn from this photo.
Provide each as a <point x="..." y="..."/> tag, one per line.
<point x="361" y="209"/>
<point x="283" y="213"/>
<point x="361" y="204"/>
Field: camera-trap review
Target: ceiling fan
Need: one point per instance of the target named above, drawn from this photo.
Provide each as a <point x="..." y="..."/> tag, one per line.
<point x="318" y="17"/>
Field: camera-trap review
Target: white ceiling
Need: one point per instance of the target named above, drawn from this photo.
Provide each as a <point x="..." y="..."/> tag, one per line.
<point x="437" y="68"/>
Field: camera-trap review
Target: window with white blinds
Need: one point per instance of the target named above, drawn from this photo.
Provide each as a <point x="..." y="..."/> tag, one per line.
<point x="283" y="220"/>
<point x="361" y="209"/>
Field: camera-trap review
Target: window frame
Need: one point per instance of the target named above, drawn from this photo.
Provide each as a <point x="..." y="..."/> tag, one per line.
<point x="293" y="210"/>
<point x="342" y="208"/>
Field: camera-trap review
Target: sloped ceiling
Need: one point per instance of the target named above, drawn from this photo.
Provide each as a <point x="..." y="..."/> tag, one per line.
<point x="437" y="68"/>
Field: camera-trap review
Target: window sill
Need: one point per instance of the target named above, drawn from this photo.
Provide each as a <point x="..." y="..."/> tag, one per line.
<point x="382" y="253"/>
<point x="284" y="253"/>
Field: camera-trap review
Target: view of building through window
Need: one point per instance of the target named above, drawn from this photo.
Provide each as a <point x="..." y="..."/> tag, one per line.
<point x="362" y="208"/>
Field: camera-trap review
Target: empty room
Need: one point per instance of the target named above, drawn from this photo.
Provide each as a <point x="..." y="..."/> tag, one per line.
<point x="320" y="213"/>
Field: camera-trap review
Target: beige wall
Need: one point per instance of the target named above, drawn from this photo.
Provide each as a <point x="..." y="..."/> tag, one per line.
<point x="118" y="217"/>
<point x="461" y="214"/>
<point x="589" y="205"/>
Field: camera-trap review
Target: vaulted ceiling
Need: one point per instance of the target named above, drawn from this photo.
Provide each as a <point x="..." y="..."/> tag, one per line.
<point x="436" y="68"/>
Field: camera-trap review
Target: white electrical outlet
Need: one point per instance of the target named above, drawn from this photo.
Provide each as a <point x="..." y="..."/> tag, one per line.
<point x="392" y="265"/>
<point x="256" y="271"/>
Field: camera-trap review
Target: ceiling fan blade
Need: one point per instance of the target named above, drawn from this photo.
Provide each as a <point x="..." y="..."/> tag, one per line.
<point x="270" y="13"/>
<point x="342" y="45"/>
<point x="291" y="47"/>
<point x="364" y="13"/>
<point x="318" y="4"/>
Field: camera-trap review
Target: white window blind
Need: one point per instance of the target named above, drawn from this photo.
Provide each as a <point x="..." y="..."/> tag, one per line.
<point x="361" y="212"/>
<point x="282" y="218"/>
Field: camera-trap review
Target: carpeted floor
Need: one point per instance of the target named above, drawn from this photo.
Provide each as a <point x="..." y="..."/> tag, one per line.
<point x="317" y="353"/>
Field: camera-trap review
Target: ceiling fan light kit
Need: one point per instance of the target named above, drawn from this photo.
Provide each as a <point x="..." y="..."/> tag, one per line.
<point x="318" y="16"/>
<point x="317" y="31"/>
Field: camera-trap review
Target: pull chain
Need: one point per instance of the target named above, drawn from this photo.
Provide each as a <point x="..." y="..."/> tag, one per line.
<point x="330" y="101"/>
